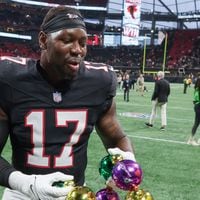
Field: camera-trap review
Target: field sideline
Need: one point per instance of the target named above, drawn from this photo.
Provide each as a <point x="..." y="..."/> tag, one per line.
<point x="170" y="166"/>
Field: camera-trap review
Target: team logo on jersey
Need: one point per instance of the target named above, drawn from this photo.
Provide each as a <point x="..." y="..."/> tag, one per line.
<point x="57" y="97"/>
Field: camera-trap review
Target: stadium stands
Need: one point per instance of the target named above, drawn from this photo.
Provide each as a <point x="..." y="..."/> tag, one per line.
<point x="183" y="48"/>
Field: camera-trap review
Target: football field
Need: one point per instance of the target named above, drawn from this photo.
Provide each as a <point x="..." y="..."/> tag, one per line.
<point x="171" y="168"/>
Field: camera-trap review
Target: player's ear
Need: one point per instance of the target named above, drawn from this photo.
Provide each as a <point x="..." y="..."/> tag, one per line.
<point x="42" y="37"/>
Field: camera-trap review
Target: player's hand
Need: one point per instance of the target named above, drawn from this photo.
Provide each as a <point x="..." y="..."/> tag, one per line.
<point x="39" y="187"/>
<point x="127" y="155"/>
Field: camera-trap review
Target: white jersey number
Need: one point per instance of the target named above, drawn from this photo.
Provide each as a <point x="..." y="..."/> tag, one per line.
<point x="36" y="120"/>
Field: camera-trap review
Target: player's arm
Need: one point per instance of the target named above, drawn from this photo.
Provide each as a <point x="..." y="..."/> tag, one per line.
<point x="113" y="137"/>
<point x="5" y="167"/>
<point x="111" y="132"/>
<point x="155" y="92"/>
<point x="169" y="90"/>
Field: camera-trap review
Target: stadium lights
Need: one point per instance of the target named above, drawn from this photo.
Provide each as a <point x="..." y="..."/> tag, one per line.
<point x="12" y="35"/>
<point x="36" y="3"/>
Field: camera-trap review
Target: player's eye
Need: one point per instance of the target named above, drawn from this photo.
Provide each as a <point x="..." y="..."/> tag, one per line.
<point x="66" y="41"/>
<point x="83" y="43"/>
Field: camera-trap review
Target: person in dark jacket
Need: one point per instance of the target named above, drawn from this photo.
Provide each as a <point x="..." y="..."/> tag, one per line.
<point x="160" y="99"/>
<point x="126" y="87"/>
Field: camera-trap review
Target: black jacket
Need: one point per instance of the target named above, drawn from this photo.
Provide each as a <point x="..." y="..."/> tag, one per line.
<point x="161" y="91"/>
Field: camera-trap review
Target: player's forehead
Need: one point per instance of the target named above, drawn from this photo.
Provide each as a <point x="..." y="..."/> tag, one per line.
<point x="71" y="32"/>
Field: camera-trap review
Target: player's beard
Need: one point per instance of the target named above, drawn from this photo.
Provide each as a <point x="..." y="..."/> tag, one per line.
<point x="66" y="72"/>
<point x="63" y="68"/>
<point x="71" y="70"/>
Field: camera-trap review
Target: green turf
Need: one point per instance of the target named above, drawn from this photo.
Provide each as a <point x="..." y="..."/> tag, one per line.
<point x="171" y="168"/>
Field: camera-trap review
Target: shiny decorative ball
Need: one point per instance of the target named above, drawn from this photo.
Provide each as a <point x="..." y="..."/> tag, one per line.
<point x="135" y="195"/>
<point x="69" y="183"/>
<point x="64" y="183"/>
<point x="107" y="194"/>
<point x="139" y="195"/>
<point x="81" y="193"/>
<point x="147" y="196"/>
<point x="106" y="166"/>
<point x="127" y="174"/>
<point x="116" y="158"/>
<point x="107" y="163"/>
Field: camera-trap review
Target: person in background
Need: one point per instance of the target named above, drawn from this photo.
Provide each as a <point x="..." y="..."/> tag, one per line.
<point x="190" y="79"/>
<point x="132" y="80"/>
<point x="186" y="83"/>
<point x="140" y="84"/>
<point x="119" y="80"/>
<point x="49" y="109"/>
<point x="126" y="87"/>
<point x="160" y="99"/>
<point x="196" y="101"/>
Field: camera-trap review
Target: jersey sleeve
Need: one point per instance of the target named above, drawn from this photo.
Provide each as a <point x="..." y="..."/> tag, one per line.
<point x="5" y="96"/>
<point x="112" y="91"/>
<point x="113" y="88"/>
<point x="5" y="89"/>
<point x="10" y="67"/>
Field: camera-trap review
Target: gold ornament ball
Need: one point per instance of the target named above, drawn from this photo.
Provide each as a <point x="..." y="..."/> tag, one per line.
<point x="139" y="195"/>
<point x="135" y="195"/>
<point x="69" y="183"/>
<point x="116" y="158"/>
<point x="81" y="193"/>
<point x="147" y="196"/>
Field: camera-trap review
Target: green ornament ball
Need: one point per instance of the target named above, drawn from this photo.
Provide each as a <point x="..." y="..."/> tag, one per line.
<point x="105" y="167"/>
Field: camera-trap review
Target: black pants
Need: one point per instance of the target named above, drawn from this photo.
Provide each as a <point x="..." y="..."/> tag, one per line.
<point x="185" y="88"/>
<point x="197" y="118"/>
<point x="126" y="95"/>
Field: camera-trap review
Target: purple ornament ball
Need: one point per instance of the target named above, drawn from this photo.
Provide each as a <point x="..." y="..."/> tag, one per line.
<point x="107" y="194"/>
<point x="127" y="174"/>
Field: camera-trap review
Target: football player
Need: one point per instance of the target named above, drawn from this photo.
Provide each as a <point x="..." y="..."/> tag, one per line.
<point x="49" y="108"/>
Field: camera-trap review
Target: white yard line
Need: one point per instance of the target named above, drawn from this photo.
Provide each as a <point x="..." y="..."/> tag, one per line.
<point x="157" y="139"/>
<point x="149" y="105"/>
<point x="157" y="116"/>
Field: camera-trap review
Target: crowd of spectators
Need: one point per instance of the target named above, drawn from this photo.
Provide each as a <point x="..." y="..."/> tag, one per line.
<point x="192" y="59"/>
<point x="21" y="48"/>
<point x="17" y="18"/>
<point x="184" y="52"/>
<point x="119" y="56"/>
<point x="126" y="57"/>
<point x="25" y="18"/>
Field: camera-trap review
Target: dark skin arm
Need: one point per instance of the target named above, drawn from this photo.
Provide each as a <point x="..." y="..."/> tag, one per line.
<point x="5" y="167"/>
<point x="110" y="131"/>
<point x="3" y="126"/>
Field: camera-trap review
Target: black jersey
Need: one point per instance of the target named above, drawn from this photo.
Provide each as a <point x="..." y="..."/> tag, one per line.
<point x="50" y="128"/>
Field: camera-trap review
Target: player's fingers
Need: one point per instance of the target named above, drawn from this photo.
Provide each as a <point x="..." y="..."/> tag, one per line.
<point x="114" y="151"/>
<point x="58" y="176"/>
<point x="110" y="183"/>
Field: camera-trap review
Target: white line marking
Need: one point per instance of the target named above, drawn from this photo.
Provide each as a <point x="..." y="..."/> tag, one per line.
<point x="145" y="116"/>
<point x="157" y="139"/>
<point x="149" y="105"/>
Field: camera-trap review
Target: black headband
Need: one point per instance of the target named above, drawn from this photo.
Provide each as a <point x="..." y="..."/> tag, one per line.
<point x="62" y="21"/>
